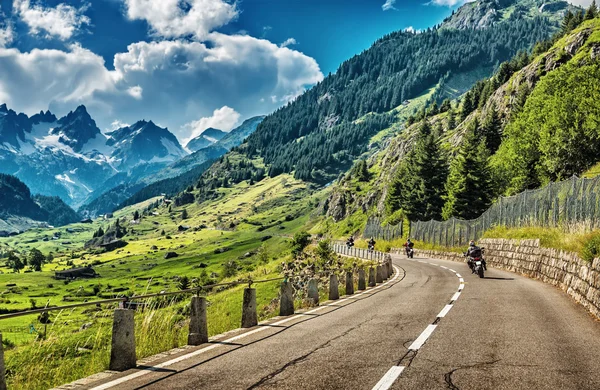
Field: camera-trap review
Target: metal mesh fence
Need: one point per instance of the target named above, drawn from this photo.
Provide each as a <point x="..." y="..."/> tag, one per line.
<point x="375" y="230"/>
<point x="572" y="205"/>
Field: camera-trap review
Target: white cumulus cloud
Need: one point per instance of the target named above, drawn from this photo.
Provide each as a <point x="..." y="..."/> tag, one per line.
<point x="117" y="124"/>
<point x="289" y="42"/>
<point x="388" y="5"/>
<point x="41" y="78"/>
<point x="232" y="70"/>
<point x="6" y="35"/>
<point x="224" y="118"/>
<point x="62" y="21"/>
<point x="182" y="18"/>
<point x="135" y="92"/>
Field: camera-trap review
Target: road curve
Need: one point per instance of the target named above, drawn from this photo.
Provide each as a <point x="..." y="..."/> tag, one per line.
<point x="503" y="332"/>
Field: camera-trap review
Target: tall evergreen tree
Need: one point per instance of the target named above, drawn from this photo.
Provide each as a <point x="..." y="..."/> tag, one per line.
<point x="446" y="105"/>
<point x="591" y="12"/>
<point x="468" y="187"/>
<point x="467" y="106"/>
<point x="362" y="171"/>
<point x="567" y="22"/>
<point x="418" y="187"/>
<point x="492" y="130"/>
<point x="451" y="123"/>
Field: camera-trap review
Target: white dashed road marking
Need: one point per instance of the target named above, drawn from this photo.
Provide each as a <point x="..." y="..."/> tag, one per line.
<point x="389" y="378"/>
<point x="394" y="373"/>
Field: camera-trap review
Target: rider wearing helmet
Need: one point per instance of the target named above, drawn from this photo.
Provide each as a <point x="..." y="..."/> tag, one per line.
<point x="372" y="243"/>
<point x="472" y="252"/>
<point x="408" y="245"/>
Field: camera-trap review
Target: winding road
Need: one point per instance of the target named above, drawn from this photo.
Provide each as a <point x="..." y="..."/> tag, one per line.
<point x="423" y="329"/>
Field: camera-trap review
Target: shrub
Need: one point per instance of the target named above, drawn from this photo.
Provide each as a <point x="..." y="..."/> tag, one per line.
<point x="591" y="248"/>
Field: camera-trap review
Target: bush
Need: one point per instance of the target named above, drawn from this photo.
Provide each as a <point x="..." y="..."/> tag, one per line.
<point x="591" y="248"/>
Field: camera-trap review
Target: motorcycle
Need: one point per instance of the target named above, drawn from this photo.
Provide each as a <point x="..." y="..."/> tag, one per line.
<point x="410" y="252"/>
<point x="349" y="243"/>
<point x="476" y="263"/>
<point x="371" y="247"/>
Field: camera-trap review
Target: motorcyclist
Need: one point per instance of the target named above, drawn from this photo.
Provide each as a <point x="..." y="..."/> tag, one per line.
<point x="350" y="241"/>
<point x="408" y="245"/>
<point x="472" y="252"/>
<point x="371" y="244"/>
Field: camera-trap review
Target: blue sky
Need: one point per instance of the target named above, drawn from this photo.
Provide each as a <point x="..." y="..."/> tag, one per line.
<point x="186" y="64"/>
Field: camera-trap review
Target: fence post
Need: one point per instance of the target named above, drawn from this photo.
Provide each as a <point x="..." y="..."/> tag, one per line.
<point x="372" y="281"/>
<point x="286" y="303"/>
<point x="122" y="351"/>
<point x="198" y="327"/>
<point x="334" y="292"/>
<point x="249" y="317"/>
<point x="379" y="274"/>
<point x="2" y="367"/>
<point x="349" y="283"/>
<point x="362" y="284"/>
<point x="313" y="291"/>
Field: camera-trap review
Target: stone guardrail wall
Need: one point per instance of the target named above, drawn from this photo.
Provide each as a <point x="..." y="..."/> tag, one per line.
<point x="578" y="278"/>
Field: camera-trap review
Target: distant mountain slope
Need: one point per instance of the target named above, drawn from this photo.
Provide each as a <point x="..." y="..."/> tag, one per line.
<point x="482" y="14"/>
<point x="541" y="108"/>
<point x="17" y="204"/>
<point x="208" y="137"/>
<point x="316" y="136"/>
<point x="71" y="158"/>
<point x="172" y="179"/>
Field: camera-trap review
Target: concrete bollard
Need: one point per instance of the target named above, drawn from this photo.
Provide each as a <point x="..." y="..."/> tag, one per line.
<point x="362" y="284"/>
<point x="2" y="367"/>
<point x="384" y="272"/>
<point x="372" y="282"/>
<point x="249" y="317"/>
<point x="390" y="267"/>
<point x="334" y="292"/>
<point x="313" y="291"/>
<point x="379" y="274"/>
<point x="198" y="327"/>
<point x="122" y="351"/>
<point x="286" y="303"/>
<point x="349" y="283"/>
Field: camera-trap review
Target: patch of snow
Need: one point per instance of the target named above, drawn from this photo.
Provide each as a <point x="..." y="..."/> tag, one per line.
<point x="98" y="143"/>
<point x="210" y="139"/>
<point x="10" y="148"/>
<point x="64" y="178"/>
<point x="172" y="149"/>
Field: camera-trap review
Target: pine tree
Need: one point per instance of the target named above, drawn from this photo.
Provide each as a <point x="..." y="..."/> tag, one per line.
<point x="418" y="186"/>
<point x="467" y="106"/>
<point x="468" y="187"/>
<point x="567" y="22"/>
<point x="451" y="123"/>
<point x="492" y="130"/>
<point x="184" y="214"/>
<point x="362" y="171"/>
<point x="591" y="12"/>
<point x="446" y="105"/>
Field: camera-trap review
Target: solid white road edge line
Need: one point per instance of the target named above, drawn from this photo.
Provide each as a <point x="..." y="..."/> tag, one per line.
<point x="145" y="371"/>
<point x="388" y="379"/>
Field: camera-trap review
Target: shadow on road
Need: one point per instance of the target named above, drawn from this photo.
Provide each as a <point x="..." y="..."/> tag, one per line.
<point x="491" y="278"/>
<point x="170" y="372"/>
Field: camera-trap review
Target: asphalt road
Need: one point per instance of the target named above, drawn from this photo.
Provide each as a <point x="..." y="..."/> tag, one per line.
<point x="415" y="332"/>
